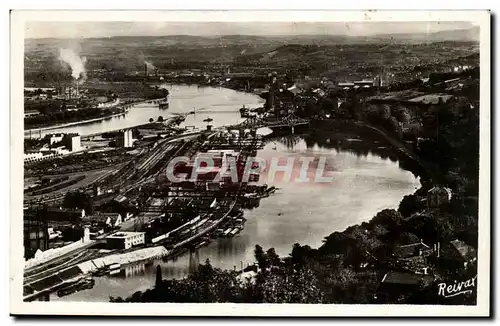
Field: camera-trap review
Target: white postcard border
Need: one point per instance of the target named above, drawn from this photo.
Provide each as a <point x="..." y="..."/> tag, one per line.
<point x="17" y="306"/>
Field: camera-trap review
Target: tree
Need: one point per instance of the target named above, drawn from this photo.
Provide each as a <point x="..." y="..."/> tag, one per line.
<point x="272" y="256"/>
<point x="261" y="258"/>
<point x="151" y="120"/>
<point x="300" y="255"/>
<point x="160" y="119"/>
<point x="79" y="199"/>
<point x="159" y="279"/>
<point x="389" y="218"/>
<point x="408" y="205"/>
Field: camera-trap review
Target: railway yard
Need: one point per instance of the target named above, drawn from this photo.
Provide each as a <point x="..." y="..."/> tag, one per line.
<point x="179" y="217"/>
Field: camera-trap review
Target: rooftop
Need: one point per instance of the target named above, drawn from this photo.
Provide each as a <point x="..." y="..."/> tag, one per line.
<point x="410" y="249"/>
<point x="102" y="217"/>
<point x="405" y="278"/>
<point x="62" y="209"/>
<point x="120" y="198"/>
<point x="123" y="235"/>
<point x="459" y="250"/>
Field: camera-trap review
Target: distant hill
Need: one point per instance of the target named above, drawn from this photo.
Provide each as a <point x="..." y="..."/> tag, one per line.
<point x="309" y="53"/>
<point x="465" y="35"/>
<point x="461" y="35"/>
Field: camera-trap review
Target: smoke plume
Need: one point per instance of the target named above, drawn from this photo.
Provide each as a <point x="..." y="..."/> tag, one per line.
<point x="75" y="62"/>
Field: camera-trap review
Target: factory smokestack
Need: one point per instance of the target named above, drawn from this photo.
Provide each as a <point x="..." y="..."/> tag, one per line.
<point x="77" y="93"/>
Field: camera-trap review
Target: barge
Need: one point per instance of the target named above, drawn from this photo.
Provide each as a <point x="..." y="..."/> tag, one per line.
<point x="77" y="286"/>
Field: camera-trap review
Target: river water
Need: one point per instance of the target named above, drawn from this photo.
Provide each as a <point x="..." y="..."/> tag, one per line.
<point x="305" y="213"/>
<point x="221" y="104"/>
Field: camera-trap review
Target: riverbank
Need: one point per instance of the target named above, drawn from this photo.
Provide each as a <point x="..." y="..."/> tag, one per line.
<point x="126" y="108"/>
<point x="350" y="266"/>
<point x="182" y="100"/>
<point x="76" y="123"/>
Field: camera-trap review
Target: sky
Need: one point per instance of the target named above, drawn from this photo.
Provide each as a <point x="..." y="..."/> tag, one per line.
<point x="109" y="29"/>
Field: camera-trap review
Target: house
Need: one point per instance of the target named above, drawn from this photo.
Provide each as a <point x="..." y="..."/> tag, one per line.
<point x="438" y="196"/>
<point x="413" y="257"/>
<point x="110" y="220"/>
<point x="456" y="255"/>
<point x="295" y="90"/>
<point x="413" y="250"/>
<point x="397" y="285"/>
<point x="120" y="199"/>
<point x="319" y="92"/>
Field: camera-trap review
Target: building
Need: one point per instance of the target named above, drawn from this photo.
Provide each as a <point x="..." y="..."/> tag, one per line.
<point x="44" y="154"/>
<point x="396" y="285"/>
<point x="319" y="92"/>
<point x="346" y="85"/>
<point x="295" y="89"/>
<point x="35" y="235"/>
<point x="28" y="114"/>
<point x="106" y="220"/>
<point x="412" y="250"/>
<point x="456" y="255"/>
<point x="364" y="83"/>
<point x="96" y="190"/>
<point x="237" y="75"/>
<point x="124" y="138"/>
<point x="120" y="199"/>
<point x="125" y="240"/>
<point x="438" y="196"/>
<point x="55" y="138"/>
<point x="72" y="142"/>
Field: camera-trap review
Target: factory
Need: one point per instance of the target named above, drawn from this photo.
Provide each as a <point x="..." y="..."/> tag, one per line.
<point x="125" y="240"/>
<point x="57" y="145"/>
<point x="72" y="142"/>
<point x="124" y="138"/>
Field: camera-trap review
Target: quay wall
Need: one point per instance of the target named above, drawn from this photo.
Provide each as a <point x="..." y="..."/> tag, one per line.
<point x="208" y="229"/>
<point x="126" y="258"/>
<point x="47" y="255"/>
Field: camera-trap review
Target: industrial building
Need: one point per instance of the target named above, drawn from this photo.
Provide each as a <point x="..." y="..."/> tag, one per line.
<point x="104" y="219"/>
<point x="55" y="138"/>
<point x="125" y="240"/>
<point x="72" y="142"/>
<point x="124" y="138"/>
<point x="35" y="233"/>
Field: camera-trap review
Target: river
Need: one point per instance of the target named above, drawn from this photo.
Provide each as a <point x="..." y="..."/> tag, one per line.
<point x="362" y="184"/>
<point x="221" y="104"/>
